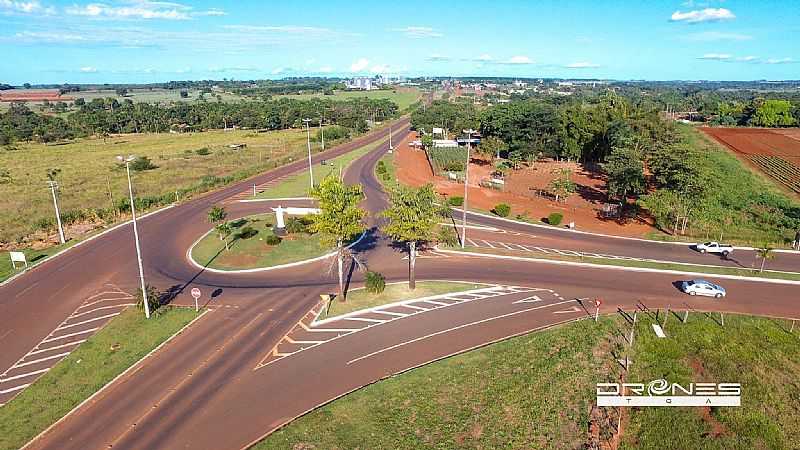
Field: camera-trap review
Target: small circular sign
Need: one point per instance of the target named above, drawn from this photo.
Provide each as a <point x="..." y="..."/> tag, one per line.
<point x="195" y="292"/>
<point x="598" y="302"/>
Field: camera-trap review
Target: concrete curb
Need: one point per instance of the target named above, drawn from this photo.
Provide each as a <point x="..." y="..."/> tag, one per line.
<point x="90" y="238"/>
<point x="611" y="236"/>
<point x="122" y="374"/>
<point x="624" y="268"/>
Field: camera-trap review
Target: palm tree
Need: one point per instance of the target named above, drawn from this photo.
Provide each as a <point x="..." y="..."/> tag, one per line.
<point x="766" y="252"/>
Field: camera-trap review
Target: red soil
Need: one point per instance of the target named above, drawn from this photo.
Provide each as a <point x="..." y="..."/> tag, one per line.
<point x="582" y="208"/>
<point x="759" y="141"/>
<point x="15" y="95"/>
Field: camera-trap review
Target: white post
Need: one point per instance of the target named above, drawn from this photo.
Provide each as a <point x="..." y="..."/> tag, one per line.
<point x="596" y="312"/>
<point x="322" y="133"/>
<point x="279" y="218"/>
<point x="308" y="141"/>
<point x="390" y="137"/>
<point x="136" y="238"/>
<point x="53" y="186"/>
<point x="466" y="191"/>
<point x="254" y="189"/>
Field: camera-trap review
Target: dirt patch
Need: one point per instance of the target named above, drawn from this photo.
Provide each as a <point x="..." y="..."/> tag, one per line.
<point x="717" y="428"/>
<point x="582" y="208"/>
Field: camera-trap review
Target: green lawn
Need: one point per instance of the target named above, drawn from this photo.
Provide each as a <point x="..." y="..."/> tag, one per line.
<point x="298" y="185"/>
<point x="252" y="252"/>
<point x="121" y="343"/>
<point x="535" y="391"/>
<point x="33" y="256"/>
<point x="403" y="97"/>
<point x="388" y="177"/>
<point x="360" y="299"/>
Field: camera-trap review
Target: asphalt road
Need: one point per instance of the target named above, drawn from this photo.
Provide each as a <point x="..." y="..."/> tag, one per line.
<point x="234" y="376"/>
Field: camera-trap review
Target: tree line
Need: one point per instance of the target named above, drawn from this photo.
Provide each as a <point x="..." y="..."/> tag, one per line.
<point x="108" y="115"/>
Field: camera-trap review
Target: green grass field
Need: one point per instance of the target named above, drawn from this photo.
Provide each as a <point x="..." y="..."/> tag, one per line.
<point x="536" y="391"/>
<point x="122" y="342"/>
<point x="252" y="252"/>
<point x="360" y="299"/>
<point x="299" y="185"/>
<point x="89" y="171"/>
<point x="404" y="97"/>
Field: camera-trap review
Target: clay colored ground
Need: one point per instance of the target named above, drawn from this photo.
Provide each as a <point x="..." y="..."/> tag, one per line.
<point x="774" y="152"/>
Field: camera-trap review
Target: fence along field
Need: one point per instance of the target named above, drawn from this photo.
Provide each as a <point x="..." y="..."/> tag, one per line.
<point x="775" y="152"/>
<point x="90" y="176"/>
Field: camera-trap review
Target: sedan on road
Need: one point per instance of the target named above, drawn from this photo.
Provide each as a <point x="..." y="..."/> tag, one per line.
<point x="702" y="287"/>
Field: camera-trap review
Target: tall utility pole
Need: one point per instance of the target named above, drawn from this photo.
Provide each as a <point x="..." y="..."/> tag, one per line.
<point x="322" y="133"/>
<point x="308" y="140"/>
<point x="390" y="136"/>
<point x="466" y="189"/>
<point x="53" y="186"/>
<point x="127" y="162"/>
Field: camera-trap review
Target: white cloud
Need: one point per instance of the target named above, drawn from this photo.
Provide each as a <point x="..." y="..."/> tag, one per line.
<point x="582" y="65"/>
<point x="437" y="57"/>
<point x="141" y="9"/>
<point x="516" y="60"/>
<point x="716" y="56"/>
<point x="281" y="70"/>
<point x="747" y="58"/>
<point x="326" y="69"/>
<point x="711" y="36"/>
<point x="703" y="15"/>
<point x="780" y="61"/>
<point x="232" y="69"/>
<point x="214" y="12"/>
<point x="359" y="65"/>
<point x="379" y="68"/>
<point x="484" y="58"/>
<point x="419" y="32"/>
<point x="88" y="69"/>
<point x="25" y="7"/>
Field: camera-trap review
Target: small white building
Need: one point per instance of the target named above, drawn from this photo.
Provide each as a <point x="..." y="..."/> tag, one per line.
<point x="361" y="83"/>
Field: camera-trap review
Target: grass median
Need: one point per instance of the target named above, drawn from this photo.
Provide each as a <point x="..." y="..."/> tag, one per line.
<point x="359" y="298"/>
<point x="120" y="344"/>
<point x="537" y="390"/>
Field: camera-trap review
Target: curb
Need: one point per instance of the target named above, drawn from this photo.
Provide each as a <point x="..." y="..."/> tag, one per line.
<point x="113" y="380"/>
<point x="624" y="268"/>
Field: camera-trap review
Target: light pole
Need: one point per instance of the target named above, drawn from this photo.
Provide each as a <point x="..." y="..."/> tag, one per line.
<point x="466" y="190"/>
<point x="308" y="141"/>
<point x="127" y="162"/>
<point x="390" y="136"/>
<point x="53" y="186"/>
<point x="322" y="132"/>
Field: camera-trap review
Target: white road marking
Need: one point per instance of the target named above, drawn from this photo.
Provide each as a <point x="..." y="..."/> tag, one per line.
<point x="70" y="335"/>
<point x="364" y="319"/>
<point x="101" y="308"/>
<point x="36" y="361"/>
<point x="64" y="327"/>
<point x="488" y="243"/>
<point x="15" y="388"/>
<point x="535" y="298"/>
<point x="574" y="309"/>
<point x="24" y="375"/>
<point x="49" y="349"/>
<point x="477" y="322"/>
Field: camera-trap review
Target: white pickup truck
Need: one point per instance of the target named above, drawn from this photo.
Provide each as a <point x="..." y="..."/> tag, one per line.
<point x="714" y="247"/>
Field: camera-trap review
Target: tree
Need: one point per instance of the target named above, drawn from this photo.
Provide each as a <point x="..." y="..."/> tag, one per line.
<point x="413" y="216"/>
<point x="491" y="147"/>
<point x="184" y="94"/>
<point x="772" y="113"/>
<point x="625" y="172"/>
<point x="765" y="252"/>
<point x="224" y="230"/>
<point x="427" y="141"/>
<point x="562" y="186"/>
<point x="340" y="218"/>
<point x="216" y="215"/>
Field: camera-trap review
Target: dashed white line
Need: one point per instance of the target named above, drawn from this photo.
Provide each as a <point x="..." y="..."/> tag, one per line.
<point x="15" y="388"/>
<point x="64" y="327"/>
<point x="24" y="375"/>
<point x="49" y="349"/>
<point x="36" y="361"/>
<point x="70" y="335"/>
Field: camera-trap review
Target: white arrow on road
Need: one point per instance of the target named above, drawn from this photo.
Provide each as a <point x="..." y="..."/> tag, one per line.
<point x="531" y="299"/>
<point x="574" y="309"/>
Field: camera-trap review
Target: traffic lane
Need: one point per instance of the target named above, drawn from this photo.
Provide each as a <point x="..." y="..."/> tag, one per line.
<point x="190" y="369"/>
<point x="564" y="239"/>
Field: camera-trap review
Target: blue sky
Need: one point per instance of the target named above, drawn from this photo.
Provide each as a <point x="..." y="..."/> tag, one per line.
<point x="48" y="41"/>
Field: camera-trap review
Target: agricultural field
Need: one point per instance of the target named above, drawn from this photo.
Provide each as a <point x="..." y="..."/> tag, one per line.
<point x="774" y="152"/>
<point x="91" y="178"/>
<point x="404" y="97"/>
<point x="155" y="95"/>
<point x="447" y="159"/>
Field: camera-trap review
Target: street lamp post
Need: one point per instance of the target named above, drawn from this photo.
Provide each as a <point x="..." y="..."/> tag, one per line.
<point x="322" y="132"/>
<point x="127" y="162"/>
<point x="53" y="186"/>
<point x="466" y="189"/>
<point x="390" y="136"/>
<point x="308" y="141"/>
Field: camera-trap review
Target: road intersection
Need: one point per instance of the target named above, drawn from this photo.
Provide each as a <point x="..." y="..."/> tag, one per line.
<point x="261" y="358"/>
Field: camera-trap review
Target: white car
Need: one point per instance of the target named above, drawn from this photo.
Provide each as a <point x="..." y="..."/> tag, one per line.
<point x="702" y="287"/>
<point x="714" y="247"/>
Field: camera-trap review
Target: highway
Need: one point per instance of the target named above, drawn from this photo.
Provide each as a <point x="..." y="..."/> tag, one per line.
<point x="258" y="359"/>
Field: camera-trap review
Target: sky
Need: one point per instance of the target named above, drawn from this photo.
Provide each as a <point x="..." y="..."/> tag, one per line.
<point x="139" y="41"/>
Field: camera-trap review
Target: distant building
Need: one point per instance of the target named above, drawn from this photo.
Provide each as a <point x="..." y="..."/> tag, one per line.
<point x="520" y="84"/>
<point x="361" y="83"/>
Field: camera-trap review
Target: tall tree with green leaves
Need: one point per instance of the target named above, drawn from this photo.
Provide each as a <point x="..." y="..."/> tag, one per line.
<point x="216" y="215"/>
<point x="413" y="216"/>
<point x="625" y="171"/>
<point x="491" y="146"/>
<point x="340" y="218"/>
<point x="765" y="252"/>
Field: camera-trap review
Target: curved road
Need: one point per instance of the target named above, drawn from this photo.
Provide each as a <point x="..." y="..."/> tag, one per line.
<point x="259" y="359"/>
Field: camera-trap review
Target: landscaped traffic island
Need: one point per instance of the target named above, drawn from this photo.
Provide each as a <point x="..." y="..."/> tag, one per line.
<point x="252" y="244"/>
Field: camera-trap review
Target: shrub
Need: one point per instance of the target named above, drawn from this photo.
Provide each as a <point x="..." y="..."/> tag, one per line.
<point x="295" y="225"/>
<point x="455" y="201"/>
<point x="502" y="210"/>
<point x="380" y="168"/>
<point x="447" y="236"/>
<point x="376" y="282"/>
<point x="142" y="163"/>
<point x="203" y="151"/>
<point x="153" y="298"/>
<point x="555" y="218"/>
<point x="247" y="233"/>
<point x="272" y="240"/>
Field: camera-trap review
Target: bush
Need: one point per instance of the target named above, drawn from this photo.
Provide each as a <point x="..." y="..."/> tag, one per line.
<point x="247" y="233"/>
<point x="555" y="219"/>
<point x="295" y="225"/>
<point x="447" y="236"/>
<point x="376" y="282"/>
<point x="153" y="298"/>
<point x="203" y="151"/>
<point x="272" y="240"/>
<point x="455" y="201"/>
<point x="380" y="168"/>
<point x="502" y="210"/>
<point x="142" y="163"/>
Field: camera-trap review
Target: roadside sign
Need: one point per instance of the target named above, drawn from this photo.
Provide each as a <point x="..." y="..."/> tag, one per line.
<point x="597" y="303"/>
<point x="196" y="294"/>
<point x="18" y="257"/>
